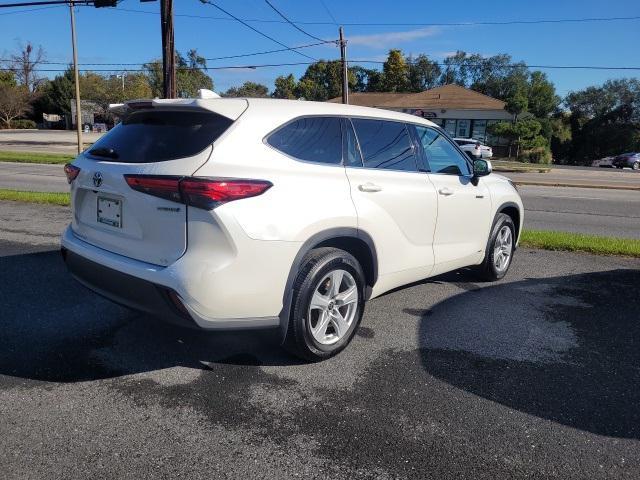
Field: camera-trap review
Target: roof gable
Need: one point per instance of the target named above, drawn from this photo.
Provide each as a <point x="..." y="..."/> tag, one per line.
<point x="447" y="96"/>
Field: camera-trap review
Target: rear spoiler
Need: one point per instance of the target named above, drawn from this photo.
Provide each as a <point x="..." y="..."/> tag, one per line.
<point x="231" y="108"/>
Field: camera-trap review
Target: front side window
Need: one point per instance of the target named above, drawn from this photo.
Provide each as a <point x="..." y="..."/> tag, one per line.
<point x="312" y="139"/>
<point x="385" y="144"/>
<point x="442" y="156"/>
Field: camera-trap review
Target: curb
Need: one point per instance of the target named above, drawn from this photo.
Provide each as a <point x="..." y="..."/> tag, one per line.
<point x="578" y="185"/>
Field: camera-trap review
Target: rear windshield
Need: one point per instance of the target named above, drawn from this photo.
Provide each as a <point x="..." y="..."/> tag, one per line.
<point x="157" y="136"/>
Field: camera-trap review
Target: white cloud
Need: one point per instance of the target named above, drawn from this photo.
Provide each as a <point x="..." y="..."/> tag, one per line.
<point x="390" y="39"/>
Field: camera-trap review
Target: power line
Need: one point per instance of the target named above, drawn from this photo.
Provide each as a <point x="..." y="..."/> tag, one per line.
<point x="45" y="2"/>
<point x="335" y="22"/>
<point x="31" y="9"/>
<point x="209" y="2"/>
<point x="519" y="65"/>
<point x="291" y="23"/>
<point x="251" y="67"/>
<point x="227" y="57"/>
<point x="401" y="24"/>
<point x="323" y="42"/>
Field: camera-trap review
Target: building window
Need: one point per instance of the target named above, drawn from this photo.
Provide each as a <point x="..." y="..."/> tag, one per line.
<point x="479" y="130"/>
<point x="463" y="128"/>
<point x="450" y="127"/>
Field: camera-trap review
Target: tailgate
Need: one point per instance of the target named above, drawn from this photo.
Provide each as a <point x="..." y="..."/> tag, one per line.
<point x="109" y="214"/>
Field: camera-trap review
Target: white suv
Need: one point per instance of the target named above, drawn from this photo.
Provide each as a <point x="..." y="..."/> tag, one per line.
<point x="258" y="213"/>
<point x="474" y="148"/>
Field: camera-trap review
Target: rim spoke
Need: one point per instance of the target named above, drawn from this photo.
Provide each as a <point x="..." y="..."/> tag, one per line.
<point x="340" y="323"/>
<point x="319" y="301"/>
<point x="336" y="282"/>
<point x="349" y="296"/>
<point x="321" y="327"/>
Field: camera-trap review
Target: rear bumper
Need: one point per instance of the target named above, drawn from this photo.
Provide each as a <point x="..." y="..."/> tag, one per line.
<point x="160" y="291"/>
<point x="126" y="290"/>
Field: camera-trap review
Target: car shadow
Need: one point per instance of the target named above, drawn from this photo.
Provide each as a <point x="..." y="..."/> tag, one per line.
<point x="566" y="348"/>
<point x="53" y="329"/>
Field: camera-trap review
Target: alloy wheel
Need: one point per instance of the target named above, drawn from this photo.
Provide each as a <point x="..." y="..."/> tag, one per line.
<point x="502" y="249"/>
<point x="333" y="307"/>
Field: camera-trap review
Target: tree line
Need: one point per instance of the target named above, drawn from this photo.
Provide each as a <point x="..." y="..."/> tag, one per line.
<point x="585" y="125"/>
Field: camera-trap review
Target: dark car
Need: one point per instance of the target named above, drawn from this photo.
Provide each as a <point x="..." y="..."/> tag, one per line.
<point x="631" y="160"/>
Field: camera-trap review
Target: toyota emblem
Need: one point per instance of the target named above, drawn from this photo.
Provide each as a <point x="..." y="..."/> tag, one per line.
<point x="97" y="179"/>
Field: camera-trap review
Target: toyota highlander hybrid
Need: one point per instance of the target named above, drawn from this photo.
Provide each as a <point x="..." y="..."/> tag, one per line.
<point x="284" y="214"/>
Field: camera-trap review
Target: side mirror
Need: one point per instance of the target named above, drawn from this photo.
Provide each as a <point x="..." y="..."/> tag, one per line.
<point x="481" y="168"/>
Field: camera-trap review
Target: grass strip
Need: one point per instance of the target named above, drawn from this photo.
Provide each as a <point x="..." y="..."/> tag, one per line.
<point x="35" y="157"/>
<point x="51" y="198"/>
<point x="519" y="167"/>
<point x="580" y="242"/>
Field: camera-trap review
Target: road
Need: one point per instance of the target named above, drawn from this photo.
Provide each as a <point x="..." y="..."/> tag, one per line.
<point x="582" y="210"/>
<point x="595" y="211"/>
<point x="532" y="377"/>
<point x="582" y="176"/>
<point x="44" y="141"/>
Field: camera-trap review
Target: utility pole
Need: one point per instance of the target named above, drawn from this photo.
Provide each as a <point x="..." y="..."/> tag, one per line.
<point x="345" y="72"/>
<point x="75" y="74"/>
<point x="168" y="50"/>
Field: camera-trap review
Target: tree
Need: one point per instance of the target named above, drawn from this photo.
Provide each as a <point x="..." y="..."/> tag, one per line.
<point x="605" y="120"/>
<point x="542" y="100"/>
<point x="395" y="72"/>
<point x="56" y="95"/>
<point x="7" y="78"/>
<point x="423" y="73"/>
<point x="191" y="75"/>
<point x="285" y="87"/>
<point x="248" y="89"/>
<point x="24" y="64"/>
<point x="14" y="103"/>
<point x="322" y="80"/>
<point x="523" y="134"/>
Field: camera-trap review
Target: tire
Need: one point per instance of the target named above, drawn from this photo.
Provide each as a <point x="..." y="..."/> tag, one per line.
<point x="489" y="270"/>
<point x="636" y="165"/>
<point x="316" y="304"/>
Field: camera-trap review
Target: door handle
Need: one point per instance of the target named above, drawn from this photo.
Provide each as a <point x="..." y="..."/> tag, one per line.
<point x="369" y="187"/>
<point x="446" y="191"/>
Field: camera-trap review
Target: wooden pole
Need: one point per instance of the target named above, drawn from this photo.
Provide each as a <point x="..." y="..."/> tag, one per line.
<point x="345" y="71"/>
<point x="76" y="79"/>
<point x="168" y="49"/>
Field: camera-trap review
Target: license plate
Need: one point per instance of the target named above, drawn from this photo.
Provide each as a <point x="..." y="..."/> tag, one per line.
<point x="110" y="211"/>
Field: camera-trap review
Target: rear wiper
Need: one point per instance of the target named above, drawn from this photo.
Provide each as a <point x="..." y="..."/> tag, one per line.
<point x="103" y="152"/>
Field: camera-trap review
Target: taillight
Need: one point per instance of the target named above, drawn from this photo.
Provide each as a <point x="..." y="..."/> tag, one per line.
<point x="206" y="193"/>
<point x="71" y="171"/>
<point x="157" y="185"/>
<point x="209" y="193"/>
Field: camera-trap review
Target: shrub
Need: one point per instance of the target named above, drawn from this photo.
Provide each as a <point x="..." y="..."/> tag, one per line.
<point x="540" y="155"/>
<point x="23" y="124"/>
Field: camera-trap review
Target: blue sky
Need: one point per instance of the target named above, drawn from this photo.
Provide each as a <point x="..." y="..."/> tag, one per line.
<point x="125" y="35"/>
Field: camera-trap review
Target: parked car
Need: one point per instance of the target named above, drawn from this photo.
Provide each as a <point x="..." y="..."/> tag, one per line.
<point x="261" y="213"/>
<point x="631" y="160"/>
<point x="474" y="148"/>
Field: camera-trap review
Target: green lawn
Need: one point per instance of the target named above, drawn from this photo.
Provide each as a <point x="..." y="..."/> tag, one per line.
<point x="52" y="198"/>
<point x="29" y="157"/>
<point x="578" y="242"/>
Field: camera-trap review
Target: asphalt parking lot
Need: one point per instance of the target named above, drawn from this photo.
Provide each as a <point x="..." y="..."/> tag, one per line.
<point x="535" y="376"/>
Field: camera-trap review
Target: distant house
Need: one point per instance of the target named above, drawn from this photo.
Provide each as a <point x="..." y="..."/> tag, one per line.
<point x="461" y="112"/>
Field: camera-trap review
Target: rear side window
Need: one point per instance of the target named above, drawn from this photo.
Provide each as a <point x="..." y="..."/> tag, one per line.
<point x="156" y="136"/>
<point x="312" y="139"/>
<point x="385" y="145"/>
